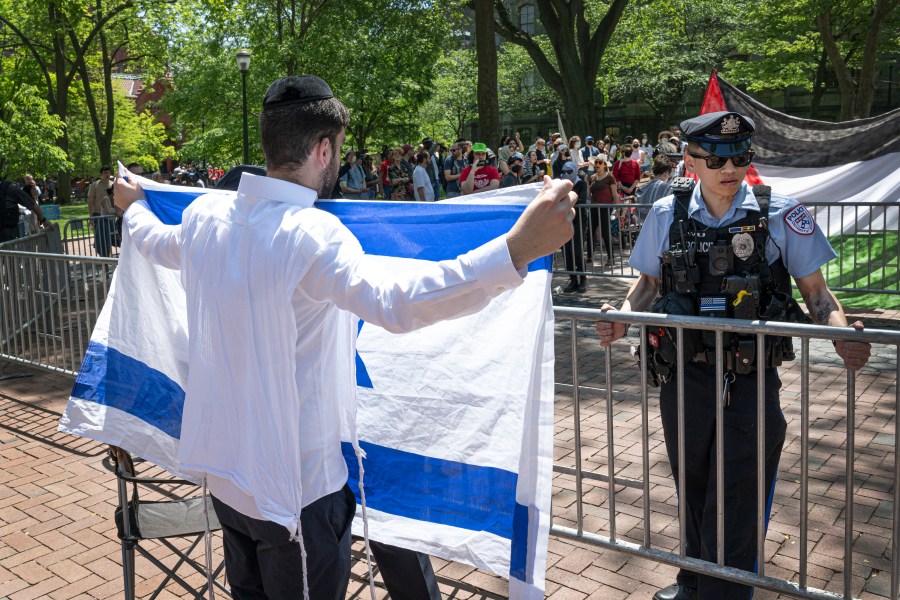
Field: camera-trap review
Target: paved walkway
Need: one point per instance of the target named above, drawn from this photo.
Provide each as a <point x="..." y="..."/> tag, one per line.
<point x="57" y="495"/>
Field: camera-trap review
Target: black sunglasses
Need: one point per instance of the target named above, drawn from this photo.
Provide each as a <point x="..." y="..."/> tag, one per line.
<point x="567" y="171"/>
<point x="717" y="162"/>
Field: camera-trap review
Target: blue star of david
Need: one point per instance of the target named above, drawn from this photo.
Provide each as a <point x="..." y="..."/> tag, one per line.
<point x="362" y="375"/>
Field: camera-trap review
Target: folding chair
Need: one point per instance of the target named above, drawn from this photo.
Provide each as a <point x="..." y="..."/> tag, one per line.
<point x="160" y="520"/>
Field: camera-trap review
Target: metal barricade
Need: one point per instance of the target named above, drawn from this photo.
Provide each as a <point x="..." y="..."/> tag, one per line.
<point x="614" y="477"/>
<point x="91" y="236"/>
<point x="608" y="233"/>
<point x="863" y="234"/>
<point x="865" y="237"/>
<point x="49" y="304"/>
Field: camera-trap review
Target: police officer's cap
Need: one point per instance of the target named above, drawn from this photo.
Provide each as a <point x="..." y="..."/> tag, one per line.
<point x="721" y="133"/>
<point x="297" y="89"/>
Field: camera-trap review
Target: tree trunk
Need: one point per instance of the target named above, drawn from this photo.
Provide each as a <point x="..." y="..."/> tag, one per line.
<point x="868" y="72"/>
<point x="580" y="116"/>
<point x="61" y="105"/>
<point x="486" y="51"/>
<point x="819" y="86"/>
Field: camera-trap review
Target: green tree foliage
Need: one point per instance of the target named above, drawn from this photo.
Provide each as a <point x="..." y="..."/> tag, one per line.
<point x="520" y="87"/>
<point x="27" y="136"/>
<point x="816" y="45"/>
<point x="63" y="43"/>
<point x="383" y="68"/>
<point x="579" y="34"/>
<point x="139" y="137"/>
<point x="453" y="105"/>
<point x="664" y="50"/>
<point x="377" y="55"/>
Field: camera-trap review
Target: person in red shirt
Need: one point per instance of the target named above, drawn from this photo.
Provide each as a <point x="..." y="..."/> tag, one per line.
<point x="627" y="172"/>
<point x="479" y="176"/>
<point x="382" y="170"/>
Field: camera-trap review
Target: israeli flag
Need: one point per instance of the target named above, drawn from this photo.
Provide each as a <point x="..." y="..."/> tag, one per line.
<point x="456" y="419"/>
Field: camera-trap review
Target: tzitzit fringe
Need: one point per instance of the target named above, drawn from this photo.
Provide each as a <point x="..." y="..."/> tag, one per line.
<point x="207" y="538"/>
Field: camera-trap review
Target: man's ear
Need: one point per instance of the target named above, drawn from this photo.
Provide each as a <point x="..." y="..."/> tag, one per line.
<point x="688" y="160"/>
<point x="322" y="153"/>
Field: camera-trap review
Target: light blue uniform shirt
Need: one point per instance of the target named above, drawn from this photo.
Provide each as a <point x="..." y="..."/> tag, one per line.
<point x="793" y="234"/>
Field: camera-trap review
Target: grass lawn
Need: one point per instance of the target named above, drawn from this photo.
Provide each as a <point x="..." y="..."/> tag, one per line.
<point x="67" y="212"/>
<point x="876" y="267"/>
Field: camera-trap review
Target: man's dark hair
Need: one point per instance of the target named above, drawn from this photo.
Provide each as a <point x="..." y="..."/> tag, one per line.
<point x="288" y="133"/>
<point x="105" y="168"/>
<point x="422" y="157"/>
<point x="131" y="166"/>
<point x="661" y="165"/>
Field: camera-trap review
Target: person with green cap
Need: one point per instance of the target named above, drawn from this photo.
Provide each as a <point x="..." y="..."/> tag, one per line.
<point x="479" y="176"/>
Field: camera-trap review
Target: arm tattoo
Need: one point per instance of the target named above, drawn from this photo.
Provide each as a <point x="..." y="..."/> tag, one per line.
<point x="823" y="309"/>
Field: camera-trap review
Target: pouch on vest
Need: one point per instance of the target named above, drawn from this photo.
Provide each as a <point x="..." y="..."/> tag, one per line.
<point x="662" y="342"/>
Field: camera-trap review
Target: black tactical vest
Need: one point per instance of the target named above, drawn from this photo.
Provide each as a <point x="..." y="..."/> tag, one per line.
<point x="723" y="272"/>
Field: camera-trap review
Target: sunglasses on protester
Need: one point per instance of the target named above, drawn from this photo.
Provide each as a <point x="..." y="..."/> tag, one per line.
<point x="567" y="171"/>
<point x="717" y="162"/>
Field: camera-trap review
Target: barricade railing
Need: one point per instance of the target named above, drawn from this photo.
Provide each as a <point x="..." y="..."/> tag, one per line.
<point x="42" y="241"/>
<point x="865" y="237"/>
<point x="863" y="234"/>
<point x="49" y="304"/>
<point x="758" y="330"/>
<point x="607" y="235"/>
<point x="91" y="236"/>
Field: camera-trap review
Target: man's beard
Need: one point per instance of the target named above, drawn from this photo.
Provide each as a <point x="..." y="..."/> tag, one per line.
<point x="328" y="179"/>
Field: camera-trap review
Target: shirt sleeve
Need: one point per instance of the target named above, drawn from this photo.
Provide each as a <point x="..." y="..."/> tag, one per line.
<point x="157" y="242"/>
<point x="402" y="300"/>
<point x="797" y="238"/>
<point x="652" y="241"/>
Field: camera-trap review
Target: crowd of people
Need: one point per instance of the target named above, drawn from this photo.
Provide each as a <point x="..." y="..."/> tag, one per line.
<point x="433" y="170"/>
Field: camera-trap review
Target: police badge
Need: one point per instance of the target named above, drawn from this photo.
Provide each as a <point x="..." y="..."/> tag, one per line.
<point x="743" y="245"/>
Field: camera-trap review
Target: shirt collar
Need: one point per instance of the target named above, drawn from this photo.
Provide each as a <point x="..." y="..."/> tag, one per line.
<point x="743" y="200"/>
<point x="278" y="190"/>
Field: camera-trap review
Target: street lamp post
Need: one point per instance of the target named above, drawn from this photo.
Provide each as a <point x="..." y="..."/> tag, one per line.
<point x="243" y="63"/>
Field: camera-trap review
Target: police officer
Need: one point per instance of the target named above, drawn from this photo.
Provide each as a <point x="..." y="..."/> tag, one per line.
<point x="713" y="250"/>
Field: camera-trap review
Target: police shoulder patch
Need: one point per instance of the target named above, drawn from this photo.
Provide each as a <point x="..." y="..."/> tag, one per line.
<point x="800" y="221"/>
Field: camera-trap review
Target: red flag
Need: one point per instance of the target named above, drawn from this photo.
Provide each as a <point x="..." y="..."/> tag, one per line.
<point x="713" y="101"/>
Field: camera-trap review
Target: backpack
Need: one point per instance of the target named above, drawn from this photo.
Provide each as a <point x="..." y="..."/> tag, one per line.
<point x="9" y="208"/>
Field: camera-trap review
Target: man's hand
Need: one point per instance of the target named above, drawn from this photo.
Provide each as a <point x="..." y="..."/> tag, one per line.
<point x="854" y="354"/>
<point x="609" y="332"/>
<point x="127" y="192"/>
<point x="546" y="224"/>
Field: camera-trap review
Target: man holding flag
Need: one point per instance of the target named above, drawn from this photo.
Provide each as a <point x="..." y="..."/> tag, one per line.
<point x="272" y="284"/>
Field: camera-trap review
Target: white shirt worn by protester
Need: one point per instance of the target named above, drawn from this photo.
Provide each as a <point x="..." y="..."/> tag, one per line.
<point x="421" y="180"/>
<point x="274" y="290"/>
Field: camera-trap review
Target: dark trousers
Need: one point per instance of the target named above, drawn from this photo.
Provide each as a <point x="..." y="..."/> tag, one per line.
<point x="407" y="575"/>
<point x="262" y="563"/>
<point x="600" y="218"/>
<point x="699" y="494"/>
<point x="573" y="251"/>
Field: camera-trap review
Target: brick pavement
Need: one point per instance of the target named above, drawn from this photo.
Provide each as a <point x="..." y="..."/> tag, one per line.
<point x="57" y="495"/>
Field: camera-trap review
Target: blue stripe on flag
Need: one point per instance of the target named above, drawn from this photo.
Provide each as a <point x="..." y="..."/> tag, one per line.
<point x="438" y="491"/>
<point x="132" y="387"/>
<point x="405" y="484"/>
<point x="432" y="231"/>
<point x="518" y="561"/>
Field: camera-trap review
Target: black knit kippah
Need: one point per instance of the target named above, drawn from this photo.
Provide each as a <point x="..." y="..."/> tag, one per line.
<point x="298" y="89"/>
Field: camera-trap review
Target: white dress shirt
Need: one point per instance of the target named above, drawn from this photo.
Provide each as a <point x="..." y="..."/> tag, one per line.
<point x="272" y="287"/>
